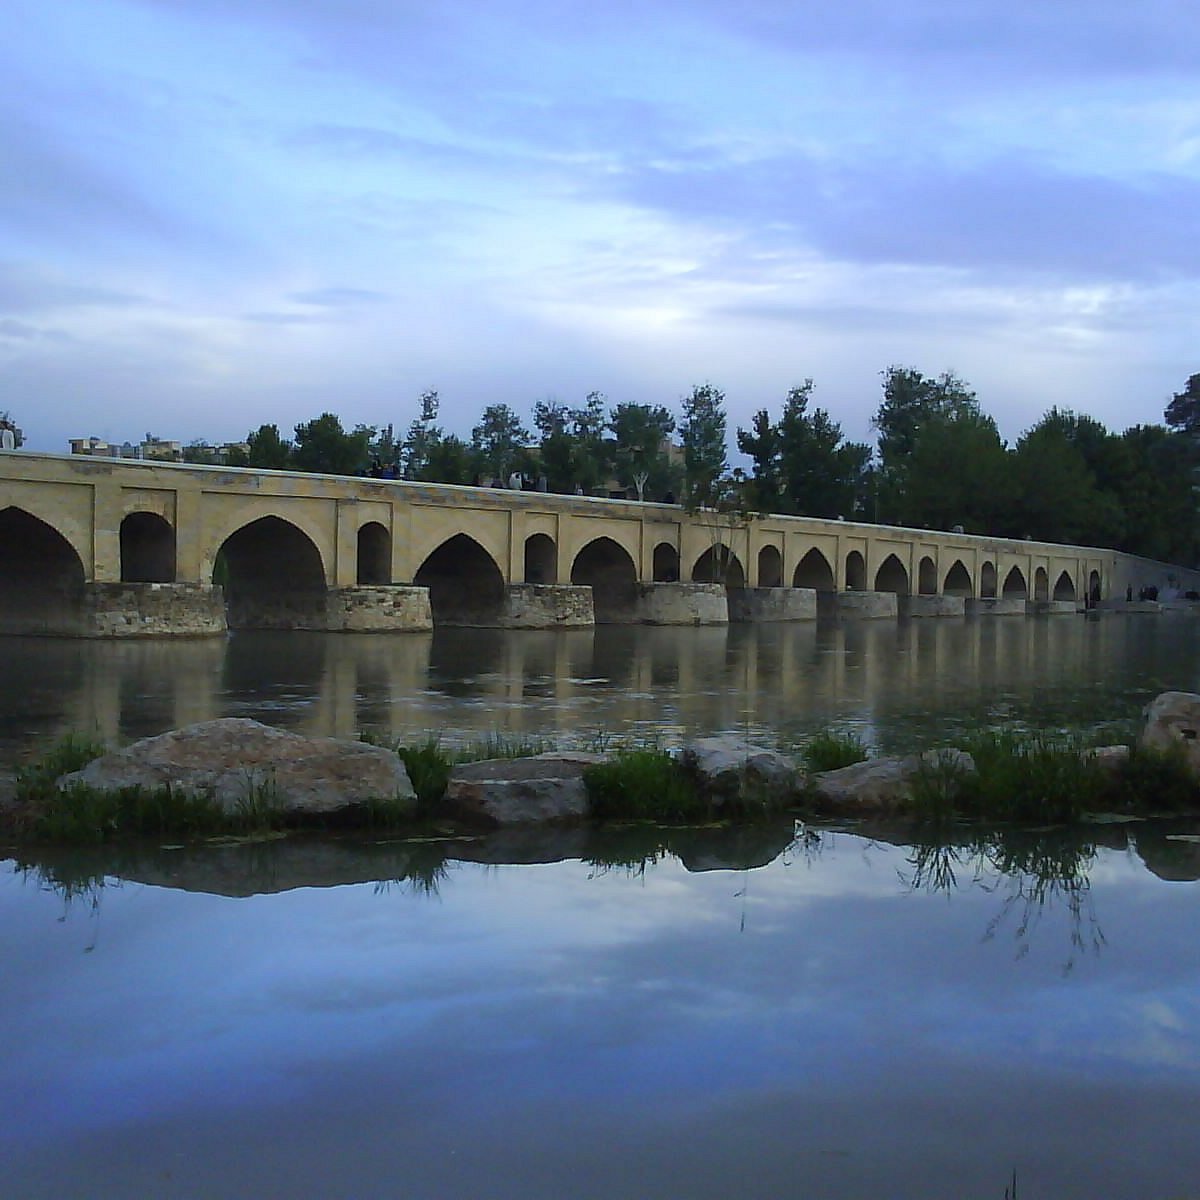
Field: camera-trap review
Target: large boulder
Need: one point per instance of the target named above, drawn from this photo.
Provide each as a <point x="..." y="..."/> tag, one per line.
<point x="521" y="791"/>
<point x="1173" y="721"/>
<point x="883" y="785"/>
<point x="730" y="770"/>
<point x="234" y="760"/>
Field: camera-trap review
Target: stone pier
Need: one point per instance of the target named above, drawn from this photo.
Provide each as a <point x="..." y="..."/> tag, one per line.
<point x="932" y="606"/>
<point x="997" y="606"/>
<point x="772" y="604"/>
<point x="547" y="606"/>
<point x="868" y="605"/>
<point x="682" y="604"/>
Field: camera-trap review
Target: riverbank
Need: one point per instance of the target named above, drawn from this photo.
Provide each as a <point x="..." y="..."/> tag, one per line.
<point x="235" y="777"/>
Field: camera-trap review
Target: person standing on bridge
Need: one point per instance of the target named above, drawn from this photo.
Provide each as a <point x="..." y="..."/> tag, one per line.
<point x="8" y="437"/>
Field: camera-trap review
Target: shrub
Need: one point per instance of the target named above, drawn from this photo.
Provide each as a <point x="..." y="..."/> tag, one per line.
<point x="644" y="785"/>
<point x="829" y="751"/>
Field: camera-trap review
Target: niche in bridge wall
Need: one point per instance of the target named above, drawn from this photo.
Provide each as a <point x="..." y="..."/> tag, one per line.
<point x="666" y="563"/>
<point x="147" y="549"/>
<point x="770" y="567"/>
<point x="541" y="559"/>
<point x="374" y="554"/>
<point x="41" y="585"/>
<point x="1041" y="584"/>
<point x="813" y="571"/>
<point x="719" y="564"/>
<point x="927" y="577"/>
<point x="608" y="570"/>
<point x="1015" y="586"/>
<point x="1064" y="589"/>
<point x="465" y="585"/>
<point x="958" y="581"/>
<point x="273" y="577"/>
<point x="892" y="577"/>
<point x="987" y="581"/>
<point x="856" y="572"/>
<point x="1094" y="593"/>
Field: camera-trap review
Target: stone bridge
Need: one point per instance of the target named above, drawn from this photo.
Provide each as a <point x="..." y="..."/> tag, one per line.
<point x="99" y="548"/>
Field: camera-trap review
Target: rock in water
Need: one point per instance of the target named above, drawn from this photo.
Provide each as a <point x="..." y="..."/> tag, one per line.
<point x="731" y="770"/>
<point x="234" y="759"/>
<point x="522" y="791"/>
<point x="1172" y="720"/>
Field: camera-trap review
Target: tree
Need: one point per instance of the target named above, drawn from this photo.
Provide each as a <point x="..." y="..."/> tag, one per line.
<point x="451" y="460"/>
<point x="497" y="438"/>
<point x="417" y="449"/>
<point x="764" y="490"/>
<point x="640" y="447"/>
<point x="704" y="454"/>
<point x="593" y="458"/>
<point x="910" y="402"/>
<point x="323" y="446"/>
<point x="268" y="450"/>
<point x="557" y="449"/>
<point x="1183" y="412"/>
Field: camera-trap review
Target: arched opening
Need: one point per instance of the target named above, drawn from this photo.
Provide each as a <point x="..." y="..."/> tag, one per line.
<point x="374" y="554"/>
<point x="770" y="567"/>
<point x="608" y="570"/>
<point x="541" y="559"/>
<point x="719" y="564"/>
<point x="927" y="577"/>
<point x="272" y="576"/>
<point x="1094" y="593"/>
<point x="1015" y="587"/>
<point x="987" y="581"/>
<point x="147" y="549"/>
<point x="41" y="584"/>
<point x="1041" y="584"/>
<point x="891" y="576"/>
<point x="813" y="571"/>
<point x="465" y="585"/>
<point x="666" y="563"/>
<point x="1064" y="589"/>
<point x="958" y="581"/>
<point x="856" y="572"/>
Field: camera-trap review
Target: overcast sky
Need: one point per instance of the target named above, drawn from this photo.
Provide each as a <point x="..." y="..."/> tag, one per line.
<point x="220" y="213"/>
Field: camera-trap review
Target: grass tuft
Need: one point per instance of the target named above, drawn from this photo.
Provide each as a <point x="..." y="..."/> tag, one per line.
<point x="828" y="751"/>
<point x="644" y="785"/>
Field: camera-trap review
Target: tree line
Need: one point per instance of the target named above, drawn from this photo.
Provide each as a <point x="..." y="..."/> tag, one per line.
<point x="938" y="462"/>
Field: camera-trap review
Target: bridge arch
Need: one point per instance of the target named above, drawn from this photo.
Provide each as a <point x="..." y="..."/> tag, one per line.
<point x="147" y="549"/>
<point x="607" y="568"/>
<point x="856" y="572"/>
<point x="1094" y="593"/>
<point x="41" y="585"/>
<point x="927" y="577"/>
<point x="1041" y="584"/>
<point x="666" y="563"/>
<point x="374" y="559"/>
<point x="958" y="581"/>
<point x="1015" y="586"/>
<point x="541" y="559"/>
<point x="1064" y="587"/>
<point x="892" y="577"/>
<point x="813" y="571"/>
<point x="465" y="585"/>
<point x="719" y="564"/>
<point x="293" y="516"/>
<point x="770" y="567"/>
<point x="987" y="581"/>
<point x="273" y="577"/>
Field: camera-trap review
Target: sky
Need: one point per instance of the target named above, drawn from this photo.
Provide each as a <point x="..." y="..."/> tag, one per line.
<point x="219" y="214"/>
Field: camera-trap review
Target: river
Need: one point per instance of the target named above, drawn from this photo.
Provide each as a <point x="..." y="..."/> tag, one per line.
<point x="781" y="1011"/>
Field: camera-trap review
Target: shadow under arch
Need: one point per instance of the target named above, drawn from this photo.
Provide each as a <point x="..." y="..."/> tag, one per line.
<point x="987" y="581"/>
<point x="770" y="567"/>
<point x="1015" y="586"/>
<point x="273" y="578"/>
<point x="465" y="584"/>
<point x="856" y="572"/>
<point x="42" y="582"/>
<point x="607" y="569"/>
<point x="927" y="577"/>
<point x="958" y="581"/>
<point x="1064" y="588"/>
<point x="892" y="577"/>
<point x="1041" y="584"/>
<point x="666" y="563"/>
<point x="813" y="571"/>
<point x="147" y="549"/>
<point x="541" y="559"/>
<point x="719" y="564"/>
<point x="374" y="554"/>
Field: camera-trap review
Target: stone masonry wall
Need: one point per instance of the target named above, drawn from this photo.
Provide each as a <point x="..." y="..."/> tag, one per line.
<point x="128" y="610"/>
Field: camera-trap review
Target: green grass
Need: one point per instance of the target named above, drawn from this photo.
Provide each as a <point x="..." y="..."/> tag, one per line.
<point x="644" y="785"/>
<point x="828" y="751"/>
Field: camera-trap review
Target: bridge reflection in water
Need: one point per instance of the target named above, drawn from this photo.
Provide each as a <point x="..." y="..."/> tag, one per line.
<point x="899" y="685"/>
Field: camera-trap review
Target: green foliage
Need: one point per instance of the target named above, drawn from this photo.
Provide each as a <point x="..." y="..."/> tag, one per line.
<point x="704" y="452"/>
<point x="497" y="438"/>
<point x="1155" y="781"/>
<point x="268" y="450"/>
<point x="642" y="785"/>
<point x="828" y="751"/>
<point x="1183" y="413"/>
<point x="428" y="767"/>
<point x="323" y="446"/>
<point x="640" y="436"/>
<point x="418" y="451"/>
